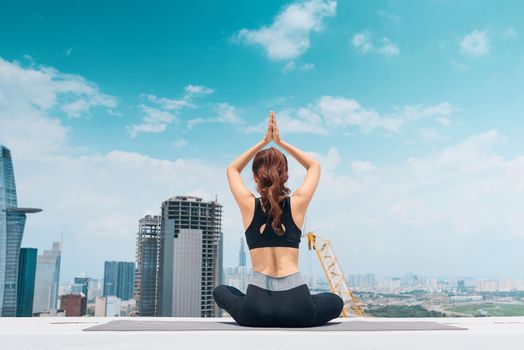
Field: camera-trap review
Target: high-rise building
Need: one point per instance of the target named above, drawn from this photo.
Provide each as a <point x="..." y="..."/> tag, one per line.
<point x="47" y="279"/>
<point x="74" y="305"/>
<point x="190" y="258"/>
<point x="146" y="277"/>
<point x="119" y="278"/>
<point x="26" y="282"/>
<point x="83" y="283"/>
<point x="12" y="223"/>
<point x="242" y="253"/>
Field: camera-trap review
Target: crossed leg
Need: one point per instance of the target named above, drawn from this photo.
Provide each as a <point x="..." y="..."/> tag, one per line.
<point x="328" y="306"/>
<point x="229" y="298"/>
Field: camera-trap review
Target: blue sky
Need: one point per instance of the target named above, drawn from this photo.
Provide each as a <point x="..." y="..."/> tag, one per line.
<point x="414" y="109"/>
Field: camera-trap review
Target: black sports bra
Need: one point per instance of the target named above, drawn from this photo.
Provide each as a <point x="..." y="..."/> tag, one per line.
<point x="268" y="238"/>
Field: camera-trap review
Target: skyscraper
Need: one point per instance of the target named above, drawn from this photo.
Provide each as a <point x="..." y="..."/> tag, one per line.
<point x="119" y="278"/>
<point x="190" y="258"/>
<point x="146" y="278"/>
<point x="26" y="282"/>
<point x="12" y="222"/>
<point x="242" y="254"/>
<point x="47" y="279"/>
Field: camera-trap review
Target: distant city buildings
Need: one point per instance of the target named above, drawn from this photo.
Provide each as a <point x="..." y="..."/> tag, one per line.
<point x="190" y="257"/>
<point x="12" y="223"/>
<point x="112" y="306"/>
<point x="94" y="289"/>
<point x="82" y="284"/>
<point x="73" y="304"/>
<point x="365" y="282"/>
<point x="26" y="282"/>
<point x="109" y="306"/>
<point x="410" y="282"/>
<point x="146" y="278"/>
<point x="238" y="276"/>
<point x="100" y="307"/>
<point x="242" y="253"/>
<point x="119" y="278"/>
<point x="47" y="279"/>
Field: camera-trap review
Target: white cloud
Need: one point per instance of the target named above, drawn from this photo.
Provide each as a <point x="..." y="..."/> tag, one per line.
<point x="388" y="48"/>
<point x="301" y="120"/>
<point x="288" y="36"/>
<point x="180" y="143"/>
<point x="475" y="44"/>
<point x="362" y="166"/>
<point x="156" y="119"/>
<point x="224" y="114"/>
<point x="292" y="65"/>
<point x="332" y="114"/>
<point x="194" y="121"/>
<point x="443" y="121"/>
<point x="410" y="211"/>
<point x="170" y="104"/>
<point x="227" y="114"/>
<point x="429" y="134"/>
<point x="340" y="112"/>
<point x="198" y="90"/>
<point x="30" y="98"/>
<point x="362" y="43"/>
<point x="414" y="112"/>
<point x="45" y="85"/>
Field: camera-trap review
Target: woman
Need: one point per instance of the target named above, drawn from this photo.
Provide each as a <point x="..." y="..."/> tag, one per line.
<point x="277" y="294"/>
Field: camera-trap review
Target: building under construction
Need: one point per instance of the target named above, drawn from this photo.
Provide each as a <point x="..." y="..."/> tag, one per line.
<point x="146" y="275"/>
<point x="190" y="257"/>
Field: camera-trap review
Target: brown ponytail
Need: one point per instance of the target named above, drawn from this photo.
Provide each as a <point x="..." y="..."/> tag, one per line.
<point x="271" y="172"/>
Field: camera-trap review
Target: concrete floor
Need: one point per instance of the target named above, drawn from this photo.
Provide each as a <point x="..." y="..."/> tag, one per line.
<point x="57" y="333"/>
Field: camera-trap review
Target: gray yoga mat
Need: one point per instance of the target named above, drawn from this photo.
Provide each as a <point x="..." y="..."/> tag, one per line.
<point x="133" y="326"/>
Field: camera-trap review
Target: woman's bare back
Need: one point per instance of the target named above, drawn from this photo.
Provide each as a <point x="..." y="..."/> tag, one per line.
<point x="275" y="261"/>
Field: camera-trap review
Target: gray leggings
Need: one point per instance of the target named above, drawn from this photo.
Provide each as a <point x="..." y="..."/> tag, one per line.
<point x="278" y="302"/>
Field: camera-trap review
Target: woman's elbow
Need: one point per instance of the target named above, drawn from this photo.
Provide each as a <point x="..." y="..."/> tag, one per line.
<point x="315" y="163"/>
<point x="230" y="168"/>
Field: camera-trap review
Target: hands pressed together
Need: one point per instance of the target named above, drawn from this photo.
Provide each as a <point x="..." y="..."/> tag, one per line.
<point x="272" y="133"/>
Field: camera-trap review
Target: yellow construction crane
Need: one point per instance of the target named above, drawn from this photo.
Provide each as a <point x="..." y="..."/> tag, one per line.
<point x="335" y="276"/>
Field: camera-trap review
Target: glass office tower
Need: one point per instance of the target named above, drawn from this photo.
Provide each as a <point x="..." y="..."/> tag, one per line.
<point x="47" y="279"/>
<point x="26" y="282"/>
<point x="119" y="279"/>
<point x="12" y="222"/>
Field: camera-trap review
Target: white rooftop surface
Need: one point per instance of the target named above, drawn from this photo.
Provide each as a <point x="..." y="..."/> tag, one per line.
<point x="66" y="333"/>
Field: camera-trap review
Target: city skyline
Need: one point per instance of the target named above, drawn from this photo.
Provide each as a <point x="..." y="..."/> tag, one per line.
<point x="412" y="109"/>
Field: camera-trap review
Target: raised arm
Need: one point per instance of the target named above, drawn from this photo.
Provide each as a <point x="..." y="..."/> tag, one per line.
<point x="240" y="192"/>
<point x="303" y="194"/>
